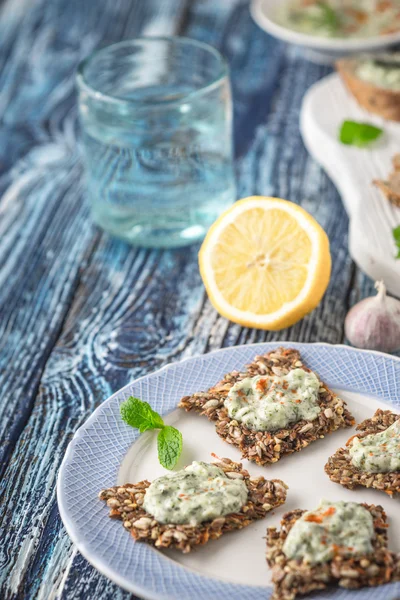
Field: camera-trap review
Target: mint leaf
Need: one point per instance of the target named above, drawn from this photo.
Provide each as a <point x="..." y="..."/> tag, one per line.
<point x="169" y="444"/>
<point x="396" y="235"/>
<point x="140" y="415"/>
<point x="358" y="134"/>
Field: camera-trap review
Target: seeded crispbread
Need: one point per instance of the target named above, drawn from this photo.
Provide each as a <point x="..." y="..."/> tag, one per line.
<point x="264" y="447"/>
<point x="126" y="503"/>
<point x="390" y="187"/>
<point x="340" y="469"/>
<point x="296" y="577"/>
<point x="374" y="99"/>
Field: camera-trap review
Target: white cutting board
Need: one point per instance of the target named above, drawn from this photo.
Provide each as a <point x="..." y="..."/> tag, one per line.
<point x="372" y="217"/>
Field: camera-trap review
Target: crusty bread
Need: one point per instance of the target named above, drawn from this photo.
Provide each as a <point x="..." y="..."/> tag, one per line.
<point x="375" y="99"/>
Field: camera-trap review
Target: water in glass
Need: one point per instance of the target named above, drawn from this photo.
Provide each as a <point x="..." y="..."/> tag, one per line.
<point x="158" y="151"/>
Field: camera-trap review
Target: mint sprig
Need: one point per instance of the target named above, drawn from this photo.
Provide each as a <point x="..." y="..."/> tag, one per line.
<point x="140" y="415"/>
<point x="396" y="236"/>
<point x="358" y="134"/>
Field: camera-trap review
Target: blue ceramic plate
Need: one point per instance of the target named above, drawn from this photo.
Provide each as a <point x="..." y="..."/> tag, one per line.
<point x="105" y="451"/>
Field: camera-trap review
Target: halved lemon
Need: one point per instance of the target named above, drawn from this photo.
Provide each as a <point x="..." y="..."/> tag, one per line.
<point x="265" y="263"/>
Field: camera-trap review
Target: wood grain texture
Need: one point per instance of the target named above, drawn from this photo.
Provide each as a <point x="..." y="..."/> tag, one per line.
<point x="82" y="314"/>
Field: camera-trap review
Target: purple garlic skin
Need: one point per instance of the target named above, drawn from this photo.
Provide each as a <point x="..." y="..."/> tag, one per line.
<point x="374" y="323"/>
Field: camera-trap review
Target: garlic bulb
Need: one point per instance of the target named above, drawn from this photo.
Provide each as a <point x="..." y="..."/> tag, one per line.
<point x="374" y="323"/>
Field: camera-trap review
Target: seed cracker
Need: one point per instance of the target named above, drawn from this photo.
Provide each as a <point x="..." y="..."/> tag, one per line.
<point x="340" y="469"/>
<point x="126" y="503"/>
<point x="264" y="447"/>
<point x="375" y="99"/>
<point x="390" y="187"/>
<point x="296" y="577"/>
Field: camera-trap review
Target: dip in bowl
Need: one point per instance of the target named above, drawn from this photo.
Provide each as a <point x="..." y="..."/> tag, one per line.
<point x="348" y="19"/>
<point x="330" y="29"/>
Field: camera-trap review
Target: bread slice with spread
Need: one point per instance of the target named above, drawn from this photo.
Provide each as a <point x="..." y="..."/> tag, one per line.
<point x="374" y="81"/>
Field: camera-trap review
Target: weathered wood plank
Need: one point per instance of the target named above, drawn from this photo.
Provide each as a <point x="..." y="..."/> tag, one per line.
<point x="45" y="238"/>
<point x="43" y="188"/>
<point x="132" y="311"/>
<point x="45" y="232"/>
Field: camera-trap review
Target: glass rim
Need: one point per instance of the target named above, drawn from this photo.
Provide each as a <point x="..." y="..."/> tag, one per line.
<point x="110" y="99"/>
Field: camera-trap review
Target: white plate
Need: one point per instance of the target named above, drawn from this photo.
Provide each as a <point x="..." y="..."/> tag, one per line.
<point x="372" y="217"/>
<point x="105" y="451"/>
<point x="319" y="49"/>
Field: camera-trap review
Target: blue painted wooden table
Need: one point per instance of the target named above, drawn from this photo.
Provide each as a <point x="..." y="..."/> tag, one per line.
<point x="82" y="314"/>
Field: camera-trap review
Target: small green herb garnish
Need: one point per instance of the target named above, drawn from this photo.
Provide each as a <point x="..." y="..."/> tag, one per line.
<point x="140" y="415"/>
<point x="396" y="235"/>
<point x="323" y="18"/>
<point x="329" y="17"/>
<point x="358" y="134"/>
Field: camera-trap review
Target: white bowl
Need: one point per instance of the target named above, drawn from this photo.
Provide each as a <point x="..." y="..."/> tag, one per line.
<point x="317" y="48"/>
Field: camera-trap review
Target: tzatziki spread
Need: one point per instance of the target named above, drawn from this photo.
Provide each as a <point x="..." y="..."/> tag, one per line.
<point x="272" y="403"/>
<point x="377" y="452"/>
<point x="344" y="528"/>
<point x="382" y="71"/>
<point x="199" y="492"/>
<point x="341" y="18"/>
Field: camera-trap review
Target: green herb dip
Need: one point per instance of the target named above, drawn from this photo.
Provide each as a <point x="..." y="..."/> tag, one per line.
<point x="200" y="492"/>
<point x="379" y="452"/>
<point x="340" y="18"/>
<point x="271" y="403"/>
<point x="334" y="527"/>
<point x="382" y="72"/>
